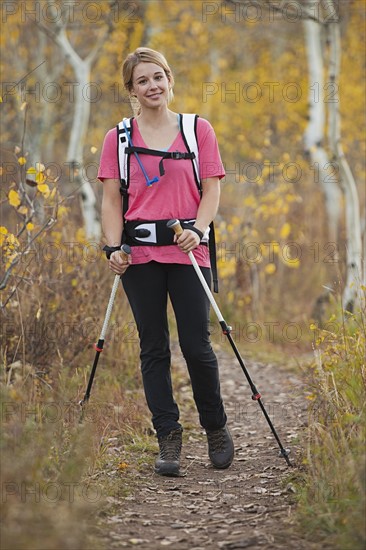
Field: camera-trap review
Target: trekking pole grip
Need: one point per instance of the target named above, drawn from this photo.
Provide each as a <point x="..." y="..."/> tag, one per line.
<point x="125" y="251"/>
<point x="175" y="226"/>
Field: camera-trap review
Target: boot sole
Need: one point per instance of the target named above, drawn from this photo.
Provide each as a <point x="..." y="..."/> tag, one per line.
<point x="168" y="472"/>
<point x="222" y="466"/>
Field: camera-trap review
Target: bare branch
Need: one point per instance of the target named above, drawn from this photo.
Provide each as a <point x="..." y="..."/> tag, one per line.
<point x="49" y="223"/>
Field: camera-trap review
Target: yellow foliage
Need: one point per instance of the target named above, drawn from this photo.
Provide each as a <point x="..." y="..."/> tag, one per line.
<point x="30" y="226"/>
<point x="40" y="179"/>
<point x="12" y="240"/>
<point x="250" y="201"/>
<point x="14" y="199"/>
<point x="62" y="212"/>
<point x="43" y="187"/>
<point x="22" y="160"/>
<point x="226" y="267"/>
<point x="285" y="230"/>
<point x="10" y="259"/>
<point x="270" y="268"/>
<point x="294" y="264"/>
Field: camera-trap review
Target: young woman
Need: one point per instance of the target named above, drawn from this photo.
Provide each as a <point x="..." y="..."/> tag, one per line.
<point x="155" y="271"/>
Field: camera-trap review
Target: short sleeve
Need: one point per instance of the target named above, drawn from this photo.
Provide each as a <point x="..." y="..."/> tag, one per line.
<point x="108" y="163"/>
<point x="209" y="155"/>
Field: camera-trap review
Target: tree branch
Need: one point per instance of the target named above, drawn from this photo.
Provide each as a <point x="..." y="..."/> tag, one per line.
<point x="49" y="223"/>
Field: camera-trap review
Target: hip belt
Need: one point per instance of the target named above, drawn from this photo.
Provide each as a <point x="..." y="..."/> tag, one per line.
<point x="154" y="233"/>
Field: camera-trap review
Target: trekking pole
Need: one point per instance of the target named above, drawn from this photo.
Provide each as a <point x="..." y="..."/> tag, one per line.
<point x="226" y="329"/>
<point x="125" y="251"/>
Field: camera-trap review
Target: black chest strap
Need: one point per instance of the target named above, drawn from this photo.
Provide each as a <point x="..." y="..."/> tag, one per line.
<point x="175" y="155"/>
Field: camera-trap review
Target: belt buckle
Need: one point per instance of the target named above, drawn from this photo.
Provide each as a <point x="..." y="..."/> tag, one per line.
<point x="151" y="228"/>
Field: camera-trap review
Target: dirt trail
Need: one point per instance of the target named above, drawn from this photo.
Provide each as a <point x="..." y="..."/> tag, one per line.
<point x="250" y="505"/>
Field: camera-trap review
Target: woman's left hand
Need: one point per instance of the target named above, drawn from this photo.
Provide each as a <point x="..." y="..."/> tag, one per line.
<point x="187" y="241"/>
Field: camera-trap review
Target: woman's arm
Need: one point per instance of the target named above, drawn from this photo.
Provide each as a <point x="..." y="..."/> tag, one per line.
<point x="112" y="218"/>
<point x="112" y="223"/>
<point x="207" y="210"/>
<point x="209" y="204"/>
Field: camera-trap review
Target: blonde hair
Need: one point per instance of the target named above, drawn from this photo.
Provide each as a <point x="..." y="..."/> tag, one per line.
<point x="146" y="55"/>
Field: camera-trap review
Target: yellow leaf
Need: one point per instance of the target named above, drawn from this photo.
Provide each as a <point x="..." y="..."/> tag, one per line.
<point x="14" y="199"/>
<point x="41" y="178"/>
<point x="23" y="210"/>
<point x="31" y="170"/>
<point x="38" y="314"/>
<point x="12" y="240"/>
<point x="285" y="230"/>
<point x="10" y="260"/>
<point x="74" y="282"/>
<point x="43" y="188"/>
<point x="22" y="160"/>
<point x="3" y="230"/>
<point x="62" y="211"/>
<point x="30" y="226"/>
<point x="122" y="466"/>
<point x="236" y="220"/>
<point x="270" y="268"/>
<point x="295" y="264"/>
<point x="250" y="201"/>
<point x="93" y="150"/>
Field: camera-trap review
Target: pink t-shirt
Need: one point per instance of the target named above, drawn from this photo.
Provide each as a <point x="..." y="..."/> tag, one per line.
<point x="175" y="195"/>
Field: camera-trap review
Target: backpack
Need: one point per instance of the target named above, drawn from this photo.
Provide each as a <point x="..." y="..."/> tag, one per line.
<point x="188" y="126"/>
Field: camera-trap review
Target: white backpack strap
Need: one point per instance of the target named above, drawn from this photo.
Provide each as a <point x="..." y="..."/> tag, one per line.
<point x="188" y="126"/>
<point x="122" y="143"/>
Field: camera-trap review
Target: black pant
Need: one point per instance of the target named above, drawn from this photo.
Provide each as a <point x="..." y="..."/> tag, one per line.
<point x="147" y="287"/>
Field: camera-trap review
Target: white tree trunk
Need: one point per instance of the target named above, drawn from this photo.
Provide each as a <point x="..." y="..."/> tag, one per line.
<point x="75" y="154"/>
<point x="354" y="274"/>
<point x="314" y="133"/>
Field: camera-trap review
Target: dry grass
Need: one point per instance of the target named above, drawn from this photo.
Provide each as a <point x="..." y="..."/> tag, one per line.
<point x="332" y="496"/>
<point x="51" y="496"/>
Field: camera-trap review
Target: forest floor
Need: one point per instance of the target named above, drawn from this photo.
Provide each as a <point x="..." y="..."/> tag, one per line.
<point x="250" y="505"/>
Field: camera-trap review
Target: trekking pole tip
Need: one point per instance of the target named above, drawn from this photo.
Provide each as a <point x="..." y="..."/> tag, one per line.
<point x="285" y="453"/>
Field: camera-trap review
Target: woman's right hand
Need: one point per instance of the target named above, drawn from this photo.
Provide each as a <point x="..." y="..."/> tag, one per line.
<point x="119" y="262"/>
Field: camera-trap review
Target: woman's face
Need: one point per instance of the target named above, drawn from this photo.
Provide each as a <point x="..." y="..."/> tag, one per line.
<point x="151" y="85"/>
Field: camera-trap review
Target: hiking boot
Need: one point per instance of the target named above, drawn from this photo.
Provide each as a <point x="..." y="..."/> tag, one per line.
<point x="170" y="447"/>
<point x="220" y="447"/>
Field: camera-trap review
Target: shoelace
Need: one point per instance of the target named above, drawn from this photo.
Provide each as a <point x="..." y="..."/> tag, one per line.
<point x="217" y="441"/>
<point x="170" y="446"/>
